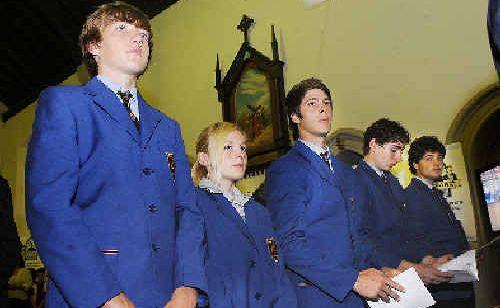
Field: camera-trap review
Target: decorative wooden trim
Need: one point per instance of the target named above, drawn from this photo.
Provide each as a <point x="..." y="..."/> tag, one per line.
<point x="249" y="58"/>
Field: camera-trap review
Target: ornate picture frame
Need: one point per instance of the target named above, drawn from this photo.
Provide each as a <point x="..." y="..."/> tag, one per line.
<point x="252" y="95"/>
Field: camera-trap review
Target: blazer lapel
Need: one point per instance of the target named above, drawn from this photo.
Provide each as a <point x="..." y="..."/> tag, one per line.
<point x="380" y="183"/>
<point x="149" y="119"/>
<point x="105" y="99"/>
<point x="419" y="185"/>
<point x="230" y="213"/>
<point x="317" y="164"/>
<point x="436" y="196"/>
<point x="377" y="179"/>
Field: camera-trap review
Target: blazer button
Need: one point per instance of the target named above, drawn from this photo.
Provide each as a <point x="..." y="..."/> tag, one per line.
<point x="251" y="264"/>
<point x="152" y="208"/>
<point x="258" y="296"/>
<point x="147" y="171"/>
<point x="299" y="233"/>
<point x="155" y="247"/>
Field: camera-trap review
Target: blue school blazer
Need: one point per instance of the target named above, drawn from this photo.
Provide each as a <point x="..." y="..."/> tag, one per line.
<point x="434" y="230"/>
<point x="240" y="269"/>
<point x="382" y="217"/>
<point x="102" y="200"/>
<point x="307" y="202"/>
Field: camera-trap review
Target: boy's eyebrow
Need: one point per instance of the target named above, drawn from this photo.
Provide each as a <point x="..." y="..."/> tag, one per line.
<point x="317" y="99"/>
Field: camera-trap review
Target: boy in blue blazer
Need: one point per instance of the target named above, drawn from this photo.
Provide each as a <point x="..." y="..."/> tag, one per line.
<point x="106" y="176"/>
<point x="244" y="266"/>
<point x="435" y="232"/>
<point x="382" y="218"/>
<point x="307" y="192"/>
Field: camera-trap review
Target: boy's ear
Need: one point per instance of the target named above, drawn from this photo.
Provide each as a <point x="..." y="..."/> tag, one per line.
<point x="373" y="143"/>
<point x="415" y="166"/>
<point x="94" y="48"/>
<point x="295" y="118"/>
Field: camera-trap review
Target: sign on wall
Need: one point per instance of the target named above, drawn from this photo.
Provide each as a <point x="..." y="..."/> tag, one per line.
<point x="455" y="187"/>
<point x="30" y="255"/>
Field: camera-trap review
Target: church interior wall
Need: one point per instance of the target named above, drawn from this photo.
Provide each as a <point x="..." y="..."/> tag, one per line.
<point x="418" y="62"/>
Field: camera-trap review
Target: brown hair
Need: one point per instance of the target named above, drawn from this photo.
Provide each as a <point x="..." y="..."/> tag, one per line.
<point x="295" y="96"/>
<point x="100" y="19"/>
<point x="210" y="141"/>
<point x="384" y="131"/>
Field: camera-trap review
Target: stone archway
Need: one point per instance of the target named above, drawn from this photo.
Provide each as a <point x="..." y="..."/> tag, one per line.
<point x="477" y="128"/>
<point x="347" y="145"/>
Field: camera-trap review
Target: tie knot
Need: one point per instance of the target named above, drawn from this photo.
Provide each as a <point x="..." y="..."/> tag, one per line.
<point x="125" y="96"/>
<point x="325" y="156"/>
<point x="384" y="177"/>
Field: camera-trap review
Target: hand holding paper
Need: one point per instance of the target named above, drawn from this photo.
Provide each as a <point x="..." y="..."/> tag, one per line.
<point x="427" y="271"/>
<point x="372" y="283"/>
<point x="415" y="295"/>
<point x="462" y="267"/>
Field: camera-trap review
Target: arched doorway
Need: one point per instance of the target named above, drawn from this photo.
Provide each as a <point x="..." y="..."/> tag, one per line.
<point x="477" y="128"/>
<point x="347" y="145"/>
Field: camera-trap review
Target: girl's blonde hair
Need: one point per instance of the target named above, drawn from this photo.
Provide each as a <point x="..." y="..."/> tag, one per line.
<point x="211" y="142"/>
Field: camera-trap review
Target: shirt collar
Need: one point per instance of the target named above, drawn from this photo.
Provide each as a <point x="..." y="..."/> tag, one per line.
<point x="431" y="186"/>
<point x="315" y="148"/>
<point x="237" y="197"/>
<point x="377" y="170"/>
<point x="134" y="105"/>
<point x="116" y="87"/>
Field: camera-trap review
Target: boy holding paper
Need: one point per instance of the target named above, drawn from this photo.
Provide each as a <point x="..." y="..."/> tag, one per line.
<point x="433" y="226"/>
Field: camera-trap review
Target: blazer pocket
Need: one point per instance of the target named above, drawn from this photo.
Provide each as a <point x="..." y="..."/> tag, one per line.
<point x="112" y="257"/>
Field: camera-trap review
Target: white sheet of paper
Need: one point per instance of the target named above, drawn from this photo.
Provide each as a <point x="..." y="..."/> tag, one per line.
<point x="462" y="267"/>
<point x="415" y="295"/>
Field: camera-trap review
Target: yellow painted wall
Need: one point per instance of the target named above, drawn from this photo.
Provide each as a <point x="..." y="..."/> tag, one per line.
<point x="14" y="138"/>
<point x="417" y="62"/>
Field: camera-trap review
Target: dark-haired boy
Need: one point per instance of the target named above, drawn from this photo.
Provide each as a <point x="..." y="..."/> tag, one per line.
<point x="432" y="226"/>
<point x="381" y="218"/>
<point x="106" y="176"/>
<point x="307" y="192"/>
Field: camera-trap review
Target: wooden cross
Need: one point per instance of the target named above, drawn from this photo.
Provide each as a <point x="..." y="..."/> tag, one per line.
<point x="245" y="24"/>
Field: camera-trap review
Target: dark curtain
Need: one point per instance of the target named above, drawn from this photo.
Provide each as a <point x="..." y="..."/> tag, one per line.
<point x="494" y="31"/>
<point x="10" y="246"/>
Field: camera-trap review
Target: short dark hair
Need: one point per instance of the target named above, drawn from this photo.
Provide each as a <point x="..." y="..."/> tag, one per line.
<point x="384" y="131"/>
<point x="420" y="146"/>
<point x="295" y="96"/>
<point x="104" y="16"/>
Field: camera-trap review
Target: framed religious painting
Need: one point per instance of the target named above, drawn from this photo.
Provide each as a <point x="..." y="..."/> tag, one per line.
<point x="252" y="96"/>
